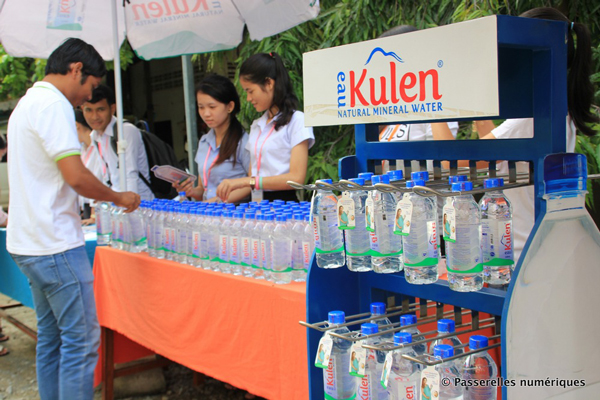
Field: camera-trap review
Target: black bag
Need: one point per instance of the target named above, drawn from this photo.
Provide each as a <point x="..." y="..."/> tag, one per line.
<point x="158" y="153"/>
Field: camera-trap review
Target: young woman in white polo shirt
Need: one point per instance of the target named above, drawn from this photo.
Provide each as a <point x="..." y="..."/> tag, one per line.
<point x="279" y="141"/>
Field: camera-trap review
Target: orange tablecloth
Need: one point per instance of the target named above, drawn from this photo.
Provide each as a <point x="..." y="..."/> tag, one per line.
<point x="238" y="330"/>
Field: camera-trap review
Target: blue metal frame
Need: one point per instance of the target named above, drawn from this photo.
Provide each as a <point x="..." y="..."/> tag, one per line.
<point x="532" y="69"/>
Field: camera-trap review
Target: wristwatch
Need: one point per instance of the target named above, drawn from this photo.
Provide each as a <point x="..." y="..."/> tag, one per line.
<point x="253" y="182"/>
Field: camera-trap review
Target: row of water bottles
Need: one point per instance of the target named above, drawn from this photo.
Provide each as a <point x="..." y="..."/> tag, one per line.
<point x="387" y="232"/>
<point x="351" y="371"/>
<point x="266" y="240"/>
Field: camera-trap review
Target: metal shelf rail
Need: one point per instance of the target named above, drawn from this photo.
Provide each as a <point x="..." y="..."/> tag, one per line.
<point x="531" y="83"/>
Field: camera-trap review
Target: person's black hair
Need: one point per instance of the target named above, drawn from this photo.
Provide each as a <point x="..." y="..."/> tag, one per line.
<point x="223" y="90"/>
<point x="580" y="91"/>
<point x="262" y="66"/>
<point x="103" y="92"/>
<point x="2" y="142"/>
<point x="75" y="50"/>
<point x="398" y="30"/>
<point x="81" y="119"/>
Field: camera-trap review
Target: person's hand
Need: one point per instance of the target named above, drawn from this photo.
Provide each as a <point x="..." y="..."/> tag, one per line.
<point x="89" y="221"/>
<point x="186" y="186"/>
<point x="129" y="201"/>
<point x="213" y="200"/>
<point x="229" y="185"/>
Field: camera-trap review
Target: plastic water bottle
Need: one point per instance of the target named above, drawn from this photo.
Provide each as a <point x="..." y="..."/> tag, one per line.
<point x="246" y="252"/>
<point x="448" y="373"/>
<point x="378" y="317"/>
<point x="103" y="228"/>
<point x="205" y="262"/>
<point x="169" y="234"/>
<point x="115" y="241"/>
<point x="358" y="255"/>
<point x="496" y="234"/>
<point x="149" y="224"/>
<point x="265" y="245"/>
<point x="463" y="247"/>
<point x="181" y="224"/>
<point x="404" y="378"/>
<point x="408" y="322"/>
<point x="224" y="235"/>
<point x="158" y="230"/>
<point x="551" y="327"/>
<point x="257" y="256"/>
<point x="369" y="386"/>
<point x="235" y="243"/>
<point x="281" y="251"/>
<point x="420" y="244"/>
<point x="297" y="235"/>
<point x="214" y="230"/>
<point x="445" y="327"/>
<point x="138" y="231"/>
<point x="479" y="366"/>
<point x="386" y="248"/>
<point x="329" y="242"/>
<point x="308" y="243"/>
<point x="338" y="383"/>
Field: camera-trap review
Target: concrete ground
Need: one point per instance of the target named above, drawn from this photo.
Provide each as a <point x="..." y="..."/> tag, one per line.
<point x="18" y="379"/>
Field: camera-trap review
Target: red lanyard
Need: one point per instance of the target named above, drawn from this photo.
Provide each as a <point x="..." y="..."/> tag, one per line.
<point x="207" y="174"/>
<point x="88" y="154"/>
<point x="259" y="155"/>
<point x="104" y="165"/>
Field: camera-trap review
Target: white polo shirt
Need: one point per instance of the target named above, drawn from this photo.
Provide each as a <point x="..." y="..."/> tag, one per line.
<point x="275" y="146"/>
<point x="43" y="217"/>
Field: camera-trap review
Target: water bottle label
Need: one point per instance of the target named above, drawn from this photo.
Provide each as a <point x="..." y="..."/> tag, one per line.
<point x="234" y="255"/>
<point x="364" y="389"/>
<point x="256" y="261"/>
<point x="430" y="383"/>
<point x="196" y="244"/>
<point x="497" y="240"/>
<point x="263" y="254"/>
<point x="404" y="388"/>
<point x="373" y="241"/>
<point x="317" y="231"/>
<point x="247" y="251"/>
<point x="223" y="253"/>
<point x="369" y="208"/>
<point x="324" y="351"/>
<point x="387" y="367"/>
<point x="403" y="219"/>
<point x="65" y="15"/>
<point x="358" y="359"/>
<point x="346" y="212"/>
<point x="306" y="254"/>
<point x="449" y="222"/>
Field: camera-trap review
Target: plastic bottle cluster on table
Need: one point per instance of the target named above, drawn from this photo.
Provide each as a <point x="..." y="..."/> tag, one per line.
<point x="266" y="240"/>
<point x="351" y="371"/>
<point x="371" y="230"/>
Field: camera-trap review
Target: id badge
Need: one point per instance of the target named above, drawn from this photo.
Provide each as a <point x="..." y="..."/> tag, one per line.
<point x="257" y="195"/>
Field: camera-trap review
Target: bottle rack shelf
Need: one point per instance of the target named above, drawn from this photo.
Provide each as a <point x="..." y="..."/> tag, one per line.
<point x="531" y="83"/>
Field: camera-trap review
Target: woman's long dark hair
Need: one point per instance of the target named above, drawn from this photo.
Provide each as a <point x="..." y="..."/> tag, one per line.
<point x="258" y="68"/>
<point x="223" y="90"/>
<point x="580" y="91"/>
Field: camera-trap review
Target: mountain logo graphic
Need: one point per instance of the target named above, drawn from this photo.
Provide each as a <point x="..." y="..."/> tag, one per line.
<point x="380" y="50"/>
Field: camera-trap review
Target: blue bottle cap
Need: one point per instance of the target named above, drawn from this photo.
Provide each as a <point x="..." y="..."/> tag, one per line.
<point x="491" y="183"/>
<point x="227" y="214"/>
<point x="264" y="202"/>
<point x="269" y="217"/>
<point x="457" y="178"/>
<point x="250" y="215"/>
<point x="408" y="319"/>
<point x="424" y="175"/>
<point x="419" y="182"/>
<point x="230" y="206"/>
<point x="446" y="326"/>
<point x="395" y="175"/>
<point x="298" y="217"/>
<point x="307" y="217"/>
<point x="181" y="194"/>
<point x="377" y="308"/>
<point x="402" y="337"/>
<point x="365" y="175"/>
<point x="477" y="342"/>
<point x="369" y="329"/>
<point x="254" y="203"/>
<point x="325" y="181"/>
<point x="217" y="213"/>
<point x="443" y="350"/>
<point x="410" y="184"/>
<point x="358" y="181"/>
<point x="238" y="214"/>
<point x="375" y="179"/>
<point x="288" y="214"/>
<point x="281" y="218"/>
<point x="244" y="205"/>
<point x="260" y="217"/>
<point x="336" y="317"/>
<point x="565" y="172"/>
<point x="462" y="186"/>
<point x="278" y="202"/>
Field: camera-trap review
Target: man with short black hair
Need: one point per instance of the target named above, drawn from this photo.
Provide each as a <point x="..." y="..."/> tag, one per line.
<point x="99" y="113"/>
<point x="44" y="228"/>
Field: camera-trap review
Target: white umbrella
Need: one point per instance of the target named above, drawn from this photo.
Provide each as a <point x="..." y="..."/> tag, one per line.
<point x="154" y="28"/>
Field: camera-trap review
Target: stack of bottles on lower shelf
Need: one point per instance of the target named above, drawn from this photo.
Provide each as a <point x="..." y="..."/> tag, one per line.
<point x="389" y="231"/>
<point x="393" y="371"/>
<point x="266" y="240"/>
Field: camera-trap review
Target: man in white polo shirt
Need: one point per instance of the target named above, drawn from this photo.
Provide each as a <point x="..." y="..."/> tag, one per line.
<point x="44" y="236"/>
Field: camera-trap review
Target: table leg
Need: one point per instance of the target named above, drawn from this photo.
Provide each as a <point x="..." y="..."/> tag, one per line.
<point x="108" y="363"/>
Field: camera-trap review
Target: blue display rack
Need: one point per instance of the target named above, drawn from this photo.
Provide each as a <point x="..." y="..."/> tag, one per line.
<point x="531" y="83"/>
